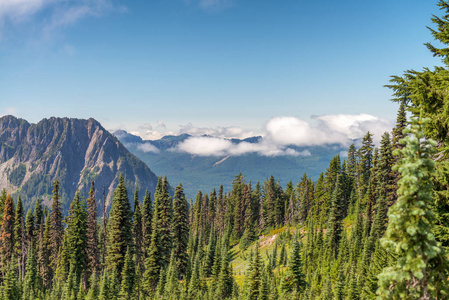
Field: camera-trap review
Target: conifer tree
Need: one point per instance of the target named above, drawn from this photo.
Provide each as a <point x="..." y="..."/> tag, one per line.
<point x="7" y="233"/>
<point x="263" y="287"/>
<point x="153" y="262"/>
<point x="255" y="272"/>
<point x="128" y="277"/>
<point x="29" y="229"/>
<point x="164" y="221"/>
<point x="421" y="268"/>
<point x="3" y="196"/>
<point x="195" y="285"/>
<point x="220" y="211"/>
<point x="147" y="216"/>
<point x="385" y="174"/>
<point x="18" y="229"/>
<point x="11" y="289"/>
<point x="19" y="237"/>
<point x="238" y="206"/>
<point x="38" y="218"/>
<point x="180" y="229"/>
<point x="138" y="231"/>
<point x="104" y="293"/>
<point x="210" y="254"/>
<point x="172" y="283"/>
<point x="224" y="281"/>
<point x="424" y="93"/>
<point x="76" y="237"/>
<point x="294" y="280"/>
<point x="304" y="196"/>
<point x="401" y="123"/>
<point x="56" y="229"/>
<point x="30" y="284"/>
<point x="334" y="223"/>
<point x="211" y="210"/>
<point x="94" y="290"/>
<point x="93" y="254"/>
<point x="45" y="270"/>
<point x="119" y="228"/>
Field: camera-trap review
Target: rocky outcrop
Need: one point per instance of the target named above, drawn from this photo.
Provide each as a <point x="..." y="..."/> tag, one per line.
<point x="74" y="151"/>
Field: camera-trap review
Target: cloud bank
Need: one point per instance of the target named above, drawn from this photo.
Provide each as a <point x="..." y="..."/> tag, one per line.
<point x="283" y="132"/>
<point x="212" y="146"/>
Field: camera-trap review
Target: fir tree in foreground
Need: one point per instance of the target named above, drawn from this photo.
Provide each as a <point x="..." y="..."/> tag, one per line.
<point x="180" y="229"/>
<point x="119" y="228"/>
<point x="421" y="269"/>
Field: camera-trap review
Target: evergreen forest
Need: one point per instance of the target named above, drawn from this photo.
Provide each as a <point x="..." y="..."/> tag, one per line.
<point x="375" y="225"/>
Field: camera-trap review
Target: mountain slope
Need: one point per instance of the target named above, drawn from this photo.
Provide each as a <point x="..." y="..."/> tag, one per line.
<point x="74" y="151"/>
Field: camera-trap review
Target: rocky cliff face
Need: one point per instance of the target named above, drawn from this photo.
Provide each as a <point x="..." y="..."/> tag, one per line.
<point x="74" y="151"/>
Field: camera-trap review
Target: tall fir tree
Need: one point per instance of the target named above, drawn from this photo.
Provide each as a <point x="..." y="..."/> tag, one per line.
<point x="7" y="233"/>
<point x="138" y="232"/>
<point x="76" y="236"/>
<point x="119" y="228"/>
<point x="421" y="268"/>
<point x="147" y="217"/>
<point x="180" y="230"/>
<point x="56" y="229"/>
<point x="19" y="235"/>
<point x="93" y="254"/>
<point x="164" y="220"/>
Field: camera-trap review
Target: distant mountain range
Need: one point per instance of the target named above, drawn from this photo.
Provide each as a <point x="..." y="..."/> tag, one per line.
<point x="207" y="172"/>
<point x="77" y="151"/>
<point x="74" y="151"/>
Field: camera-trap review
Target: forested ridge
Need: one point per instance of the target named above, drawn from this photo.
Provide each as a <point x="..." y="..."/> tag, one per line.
<point x="375" y="225"/>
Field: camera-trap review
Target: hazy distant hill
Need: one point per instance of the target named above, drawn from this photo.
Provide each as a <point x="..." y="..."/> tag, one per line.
<point x="208" y="172"/>
<point x="75" y="151"/>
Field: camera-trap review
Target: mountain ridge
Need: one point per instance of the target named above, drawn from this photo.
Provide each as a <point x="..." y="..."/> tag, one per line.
<point x="73" y="151"/>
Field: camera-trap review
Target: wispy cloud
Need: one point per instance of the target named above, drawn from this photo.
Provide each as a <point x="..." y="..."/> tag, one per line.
<point x="9" y="111"/>
<point x="51" y="15"/>
<point x="211" y="5"/>
<point x="215" y="5"/>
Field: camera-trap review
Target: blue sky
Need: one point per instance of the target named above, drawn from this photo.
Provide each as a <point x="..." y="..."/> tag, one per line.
<point x="177" y="65"/>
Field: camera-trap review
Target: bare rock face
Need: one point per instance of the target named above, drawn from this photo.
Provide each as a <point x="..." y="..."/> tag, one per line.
<point x="73" y="151"/>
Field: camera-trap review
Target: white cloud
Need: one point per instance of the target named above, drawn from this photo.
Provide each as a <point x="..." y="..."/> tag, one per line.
<point x="212" y="146"/>
<point x="151" y="134"/>
<point x="205" y="146"/>
<point x="223" y="132"/>
<point x="147" y="147"/>
<point x="58" y="13"/>
<point x="356" y="126"/>
<point x="328" y="129"/>
<point x="294" y="131"/>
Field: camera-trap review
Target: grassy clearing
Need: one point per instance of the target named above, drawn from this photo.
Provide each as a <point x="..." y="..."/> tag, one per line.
<point x="267" y="242"/>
